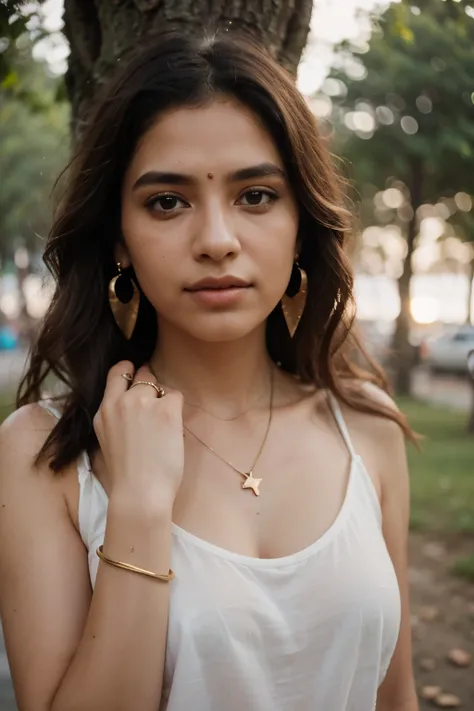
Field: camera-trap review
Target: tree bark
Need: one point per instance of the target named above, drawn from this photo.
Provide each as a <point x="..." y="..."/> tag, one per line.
<point x="403" y="352"/>
<point x="102" y="32"/>
<point x="470" y="290"/>
<point x="470" y="422"/>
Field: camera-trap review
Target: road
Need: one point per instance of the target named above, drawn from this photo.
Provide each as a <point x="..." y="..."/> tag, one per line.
<point x="451" y="391"/>
<point x="7" y="701"/>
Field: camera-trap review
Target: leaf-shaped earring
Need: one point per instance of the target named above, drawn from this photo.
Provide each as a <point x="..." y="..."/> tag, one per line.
<point x="293" y="306"/>
<point x="124" y="300"/>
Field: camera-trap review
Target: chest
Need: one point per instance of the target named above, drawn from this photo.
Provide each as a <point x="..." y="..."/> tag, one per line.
<point x="304" y="470"/>
<point x="341" y="588"/>
<point x="303" y="473"/>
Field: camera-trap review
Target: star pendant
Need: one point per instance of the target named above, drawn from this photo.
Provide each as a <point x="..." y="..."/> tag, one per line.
<point x="251" y="483"/>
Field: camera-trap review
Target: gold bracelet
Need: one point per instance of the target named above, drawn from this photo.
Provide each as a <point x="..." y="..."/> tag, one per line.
<point x="133" y="568"/>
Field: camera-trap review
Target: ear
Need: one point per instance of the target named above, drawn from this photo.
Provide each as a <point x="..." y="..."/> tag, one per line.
<point x="121" y="255"/>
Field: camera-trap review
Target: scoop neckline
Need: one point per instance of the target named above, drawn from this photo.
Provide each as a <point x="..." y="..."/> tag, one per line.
<point x="254" y="561"/>
<point x="292" y="558"/>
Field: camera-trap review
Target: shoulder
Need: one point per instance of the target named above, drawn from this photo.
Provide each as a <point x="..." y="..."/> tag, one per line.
<point x="30" y="424"/>
<point x="369" y="424"/>
<point x="28" y="486"/>
<point x="378" y="438"/>
<point x="22" y="435"/>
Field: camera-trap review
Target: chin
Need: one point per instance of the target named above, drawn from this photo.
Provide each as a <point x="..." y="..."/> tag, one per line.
<point x="224" y="327"/>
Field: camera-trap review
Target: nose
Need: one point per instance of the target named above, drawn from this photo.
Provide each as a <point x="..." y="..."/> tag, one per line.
<point x="216" y="238"/>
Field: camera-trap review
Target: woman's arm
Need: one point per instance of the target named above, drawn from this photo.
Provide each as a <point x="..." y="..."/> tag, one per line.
<point x="70" y="650"/>
<point x="398" y="691"/>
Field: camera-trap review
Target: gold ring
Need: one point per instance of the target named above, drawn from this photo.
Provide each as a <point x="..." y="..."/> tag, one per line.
<point x="127" y="376"/>
<point x="158" y="388"/>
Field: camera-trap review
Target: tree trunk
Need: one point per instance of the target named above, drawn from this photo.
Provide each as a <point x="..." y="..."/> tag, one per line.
<point x="470" y="290"/>
<point x="470" y="422"/>
<point x="403" y="352"/>
<point x="101" y="32"/>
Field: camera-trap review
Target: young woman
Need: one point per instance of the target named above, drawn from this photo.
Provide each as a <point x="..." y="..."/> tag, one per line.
<point x="212" y="422"/>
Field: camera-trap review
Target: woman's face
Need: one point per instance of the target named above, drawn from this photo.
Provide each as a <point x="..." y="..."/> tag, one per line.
<point x="205" y="197"/>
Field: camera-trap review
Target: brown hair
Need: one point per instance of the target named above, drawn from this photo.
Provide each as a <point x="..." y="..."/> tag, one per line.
<point x="78" y="340"/>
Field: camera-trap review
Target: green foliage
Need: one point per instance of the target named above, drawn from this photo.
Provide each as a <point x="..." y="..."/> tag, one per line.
<point x="34" y="145"/>
<point x="14" y="23"/>
<point x="419" y="67"/>
<point x="7" y="403"/>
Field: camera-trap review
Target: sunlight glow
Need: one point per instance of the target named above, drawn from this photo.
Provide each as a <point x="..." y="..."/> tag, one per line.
<point x="424" y="309"/>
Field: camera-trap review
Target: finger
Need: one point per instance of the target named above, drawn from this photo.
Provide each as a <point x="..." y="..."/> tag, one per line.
<point x="144" y="372"/>
<point x="116" y="385"/>
<point x="144" y="375"/>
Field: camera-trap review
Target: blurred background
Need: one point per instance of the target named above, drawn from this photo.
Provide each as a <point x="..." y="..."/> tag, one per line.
<point x="392" y="84"/>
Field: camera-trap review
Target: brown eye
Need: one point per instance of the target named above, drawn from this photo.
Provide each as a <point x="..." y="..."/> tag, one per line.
<point x="258" y="198"/>
<point x="165" y="203"/>
<point x="168" y="202"/>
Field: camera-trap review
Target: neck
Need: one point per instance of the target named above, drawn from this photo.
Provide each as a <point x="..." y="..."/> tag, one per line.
<point x="224" y="377"/>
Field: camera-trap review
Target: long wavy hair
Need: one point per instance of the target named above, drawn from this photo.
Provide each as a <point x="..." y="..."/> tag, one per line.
<point x="78" y="340"/>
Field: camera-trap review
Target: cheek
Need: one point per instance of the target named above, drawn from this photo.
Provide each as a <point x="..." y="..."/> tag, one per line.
<point x="155" y="266"/>
<point x="156" y="272"/>
<point x="277" y="249"/>
<point x="154" y="254"/>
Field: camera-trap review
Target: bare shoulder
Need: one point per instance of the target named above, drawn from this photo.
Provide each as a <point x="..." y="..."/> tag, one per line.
<point x="379" y="439"/>
<point x="22" y="436"/>
<point x="24" y="432"/>
<point x="368" y="425"/>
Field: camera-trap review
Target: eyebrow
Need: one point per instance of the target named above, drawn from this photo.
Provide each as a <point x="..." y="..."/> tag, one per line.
<point x="262" y="170"/>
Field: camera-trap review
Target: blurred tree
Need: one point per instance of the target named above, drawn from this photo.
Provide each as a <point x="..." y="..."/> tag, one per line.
<point x="100" y="34"/>
<point x="16" y="18"/>
<point x="404" y="117"/>
<point x="34" y="146"/>
<point x="463" y="220"/>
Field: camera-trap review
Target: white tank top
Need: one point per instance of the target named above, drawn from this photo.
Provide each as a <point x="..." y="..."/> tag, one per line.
<point x="311" y="631"/>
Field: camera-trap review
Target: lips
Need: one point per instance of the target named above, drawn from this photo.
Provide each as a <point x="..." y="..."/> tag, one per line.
<point x="218" y="284"/>
<point x="219" y="294"/>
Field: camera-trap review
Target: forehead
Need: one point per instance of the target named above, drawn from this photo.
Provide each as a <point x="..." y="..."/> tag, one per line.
<point x="222" y="134"/>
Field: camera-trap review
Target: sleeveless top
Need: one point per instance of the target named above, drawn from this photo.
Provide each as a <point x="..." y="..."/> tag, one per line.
<point x="311" y="631"/>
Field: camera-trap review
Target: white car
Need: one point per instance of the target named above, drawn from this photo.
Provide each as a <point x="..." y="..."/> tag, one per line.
<point x="470" y="363"/>
<point x="449" y="352"/>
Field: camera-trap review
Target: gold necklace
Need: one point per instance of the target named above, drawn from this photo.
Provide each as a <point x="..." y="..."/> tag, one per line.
<point x="223" y="419"/>
<point x="234" y="417"/>
<point x="250" y="481"/>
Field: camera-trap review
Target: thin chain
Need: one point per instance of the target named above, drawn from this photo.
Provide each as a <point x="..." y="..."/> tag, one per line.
<point x="224" y="419"/>
<point x="239" y="471"/>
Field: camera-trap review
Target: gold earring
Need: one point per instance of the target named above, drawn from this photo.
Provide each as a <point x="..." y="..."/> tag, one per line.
<point x="125" y="303"/>
<point x="293" y="306"/>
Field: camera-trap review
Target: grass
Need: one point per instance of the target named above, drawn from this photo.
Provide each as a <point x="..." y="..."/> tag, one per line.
<point x="464" y="568"/>
<point x="442" y="475"/>
<point x="7" y="403"/>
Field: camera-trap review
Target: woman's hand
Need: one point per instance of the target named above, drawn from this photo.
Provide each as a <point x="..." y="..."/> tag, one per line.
<point x="141" y="436"/>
